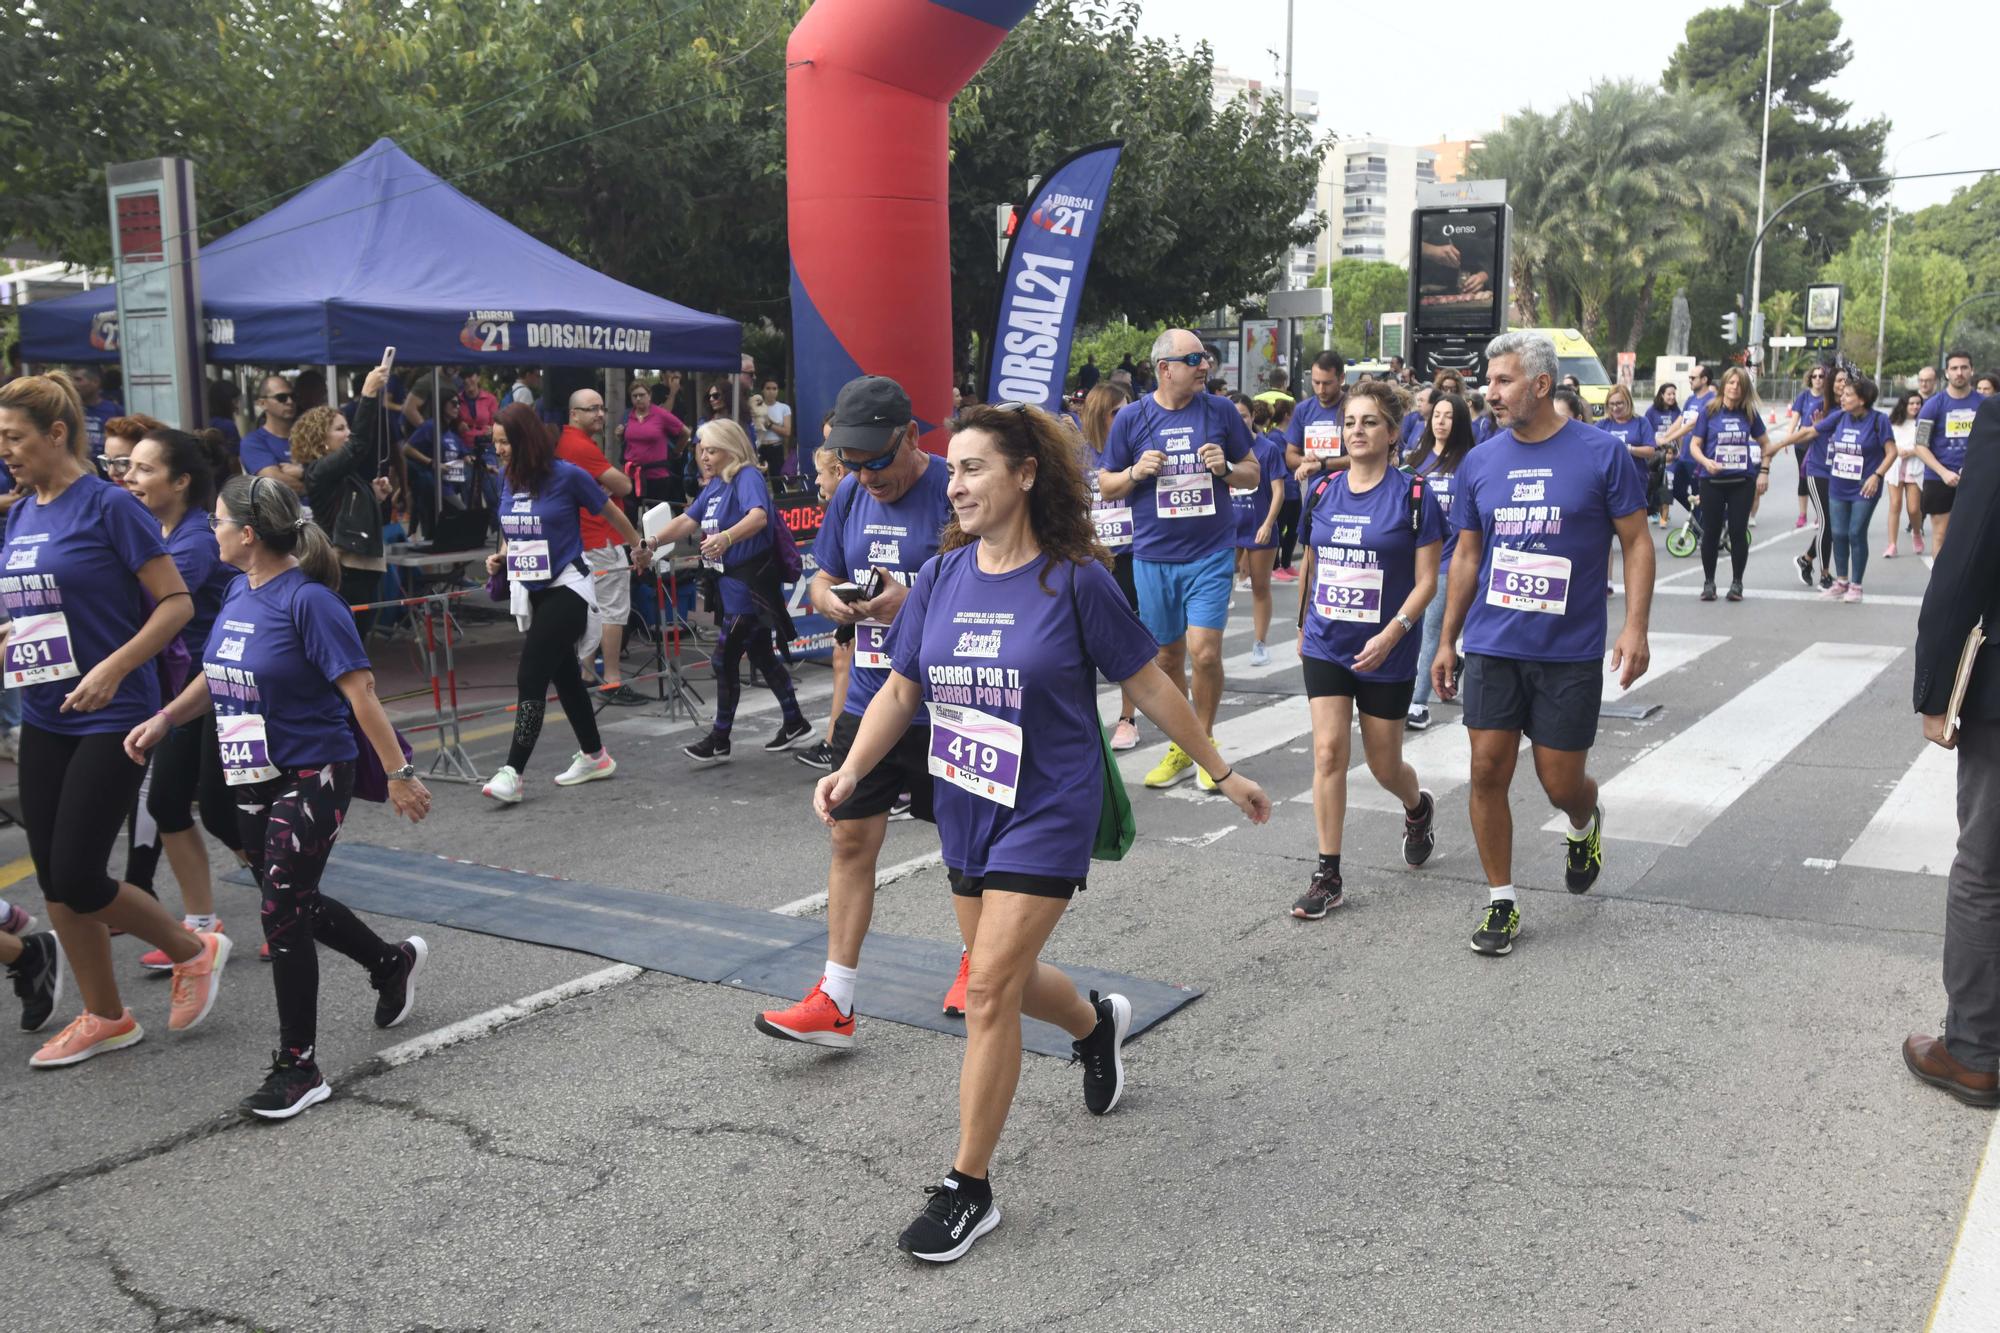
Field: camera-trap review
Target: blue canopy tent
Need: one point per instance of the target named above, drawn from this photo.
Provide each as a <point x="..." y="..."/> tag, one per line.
<point x="383" y="252"/>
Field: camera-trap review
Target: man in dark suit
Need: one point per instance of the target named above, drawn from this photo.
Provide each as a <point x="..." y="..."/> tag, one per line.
<point x="1964" y="590"/>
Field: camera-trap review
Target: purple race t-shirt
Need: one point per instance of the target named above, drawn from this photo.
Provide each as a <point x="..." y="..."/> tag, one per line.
<point x="1314" y="429"/>
<point x="1545" y="512"/>
<point x="1005" y="666"/>
<point x="1950" y="427"/>
<point x="1364" y="566"/>
<point x="550" y="515"/>
<point x="1444" y="488"/>
<point x="274" y="654"/>
<point x="1854" y="448"/>
<point x="722" y="505"/>
<point x="1253" y="503"/>
<point x="192" y="545"/>
<point x="261" y="449"/>
<point x="1810" y="409"/>
<point x="858" y="534"/>
<point x="69" y="581"/>
<point x="1183" y="514"/>
<point x="1729" y="437"/>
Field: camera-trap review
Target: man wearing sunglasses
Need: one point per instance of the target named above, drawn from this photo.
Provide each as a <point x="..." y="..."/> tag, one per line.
<point x="1176" y="452"/>
<point x="267" y="450"/>
<point x="881" y="525"/>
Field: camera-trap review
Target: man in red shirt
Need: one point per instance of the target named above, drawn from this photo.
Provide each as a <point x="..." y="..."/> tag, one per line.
<point x="608" y="561"/>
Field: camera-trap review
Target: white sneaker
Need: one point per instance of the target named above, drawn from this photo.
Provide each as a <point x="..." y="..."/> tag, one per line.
<point x="505" y="786"/>
<point x="1259" y="655"/>
<point x="582" y="768"/>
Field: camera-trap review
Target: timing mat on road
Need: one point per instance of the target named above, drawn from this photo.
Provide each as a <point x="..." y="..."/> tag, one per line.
<point x="687" y="937"/>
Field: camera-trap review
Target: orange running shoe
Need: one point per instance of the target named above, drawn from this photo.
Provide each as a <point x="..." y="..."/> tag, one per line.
<point x="88" y="1036"/>
<point x="815" y="1020"/>
<point x="197" y="981"/>
<point x="954" y="999"/>
<point x="157" y="960"/>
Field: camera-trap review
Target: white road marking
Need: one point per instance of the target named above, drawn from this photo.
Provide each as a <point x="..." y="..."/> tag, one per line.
<point x="1240" y="737"/>
<point x="1660" y="580"/>
<point x="1819" y="863"/>
<point x="813" y="902"/>
<point x="1442" y="756"/>
<point x="480" y="1025"/>
<point x="1676" y="789"/>
<point x="1206" y="839"/>
<point x="1968" y="1298"/>
<point x="1916" y="829"/>
<point x="753" y="703"/>
<point x="1801" y="595"/>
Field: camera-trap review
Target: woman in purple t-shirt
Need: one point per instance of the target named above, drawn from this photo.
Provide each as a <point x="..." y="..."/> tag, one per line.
<point x="1002" y="637"/>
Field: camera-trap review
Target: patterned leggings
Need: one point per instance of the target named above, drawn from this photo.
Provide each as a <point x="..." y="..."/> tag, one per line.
<point x="746" y="634"/>
<point x="289" y="824"/>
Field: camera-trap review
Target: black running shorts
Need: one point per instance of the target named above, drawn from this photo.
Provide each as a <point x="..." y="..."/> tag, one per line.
<point x="1555" y="703"/>
<point x="1376" y="698"/>
<point x="1938" y="496"/>
<point x="906" y="768"/>
<point x="1013" y="881"/>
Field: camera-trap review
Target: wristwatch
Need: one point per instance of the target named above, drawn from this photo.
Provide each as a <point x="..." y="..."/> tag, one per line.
<point x="407" y="773"/>
<point x="1409" y="625"/>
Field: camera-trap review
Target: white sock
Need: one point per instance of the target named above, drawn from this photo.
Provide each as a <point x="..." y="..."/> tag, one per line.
<point x="1503" y="891"/>
<point x="1578" y="830"/>
<point x="838" y="983"/>
<point x="195" y="921"/>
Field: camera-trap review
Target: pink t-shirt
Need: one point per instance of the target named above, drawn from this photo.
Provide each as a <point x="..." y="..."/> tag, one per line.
<point x="649" y="440"/>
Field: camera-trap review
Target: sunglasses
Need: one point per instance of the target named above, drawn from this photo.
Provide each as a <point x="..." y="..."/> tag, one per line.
<point x="277" y="398"/>
<point x="110" y="464"/>
<point x="874" y="464"/>
<point x="1191" y="359"/>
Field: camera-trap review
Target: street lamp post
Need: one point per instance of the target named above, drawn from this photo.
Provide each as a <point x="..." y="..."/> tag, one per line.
<point x="1753" y="315"/>
<point x="1888" y="234"/>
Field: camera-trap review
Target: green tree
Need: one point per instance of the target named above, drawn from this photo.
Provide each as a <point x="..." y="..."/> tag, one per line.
<point x="1813" y="140"/>
<point x="1923" y="287"/>
<point x="1362" y="290"/>
<point x="1967" y="225"/>
<point x="1610" y="192"/>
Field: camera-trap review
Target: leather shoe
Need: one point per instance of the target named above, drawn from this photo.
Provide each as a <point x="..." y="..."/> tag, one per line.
<point x="1930" y="1061"/>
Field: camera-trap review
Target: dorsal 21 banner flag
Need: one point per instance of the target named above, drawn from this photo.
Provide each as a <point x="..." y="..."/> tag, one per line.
<point x="1028" y="357"/>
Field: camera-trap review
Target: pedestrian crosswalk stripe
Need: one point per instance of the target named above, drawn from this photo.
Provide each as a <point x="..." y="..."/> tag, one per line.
<point x="1917" y="827"/>
<point x="1442" y="756"/>
<point x="1239" y="737"/>
<point x="1284" y="657"/>
<point x="1678" y="788"/>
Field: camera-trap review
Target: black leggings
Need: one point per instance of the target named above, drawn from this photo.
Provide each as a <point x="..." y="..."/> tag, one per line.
<point x="548" y="656"/>
<point x="142" y="837"/>
<point x="748" y="634"/>
<point x="288" y="825"/>
<point x="1725" y="502"/>
<point x="1288" y="531"/>
<point x="187" y="769"/>
<point x="71" y="789"/>
<point x="1821" y="545"/>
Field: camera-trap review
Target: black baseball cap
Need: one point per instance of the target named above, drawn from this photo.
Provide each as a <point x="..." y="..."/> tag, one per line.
<point x="867" y="415"/>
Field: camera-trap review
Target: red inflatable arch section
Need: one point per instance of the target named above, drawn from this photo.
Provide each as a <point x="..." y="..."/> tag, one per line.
<point x="868" y="100"/>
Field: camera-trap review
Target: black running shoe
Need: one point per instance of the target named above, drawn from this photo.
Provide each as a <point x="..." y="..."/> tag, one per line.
<point x="1736" y="591"/>
<point x="789" y="734"/>
<point x="623" y="696"/>
<point x="293" y="1084"/>
<point x="1103" y="1065"/>
<point x="710" y="749"/>
<point x="1804" y="565"/>
<point x="1418" y="718"/>
<point x="901" y="809"/>
<point x="1418" y="836"/>
<point x="1708" y="592"/>
<point x="949" y="1224"/>
<point x="38" y="979"/>
<point x="819" y="757"/>
<point x="1320" y="898"/>
<point x="1825" y="581"/>
<point x="1585" y="854"/>
<point x="396" y="994"/>
<point x="1499" y="924"/>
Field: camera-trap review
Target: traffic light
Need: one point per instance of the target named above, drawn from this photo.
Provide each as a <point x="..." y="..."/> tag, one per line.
<point x="1729" y="323"/>
<point x="1006" y="218"/>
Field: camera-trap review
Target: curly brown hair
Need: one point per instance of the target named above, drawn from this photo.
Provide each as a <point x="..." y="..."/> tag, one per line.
<point x="1059" y="501"/>
<point x="310" y="434"/>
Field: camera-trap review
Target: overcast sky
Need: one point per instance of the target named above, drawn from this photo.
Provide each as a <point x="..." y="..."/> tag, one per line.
<point x="1547" y="54"/>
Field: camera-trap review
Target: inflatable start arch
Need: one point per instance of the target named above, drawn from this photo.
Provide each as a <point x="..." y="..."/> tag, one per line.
<point x="868" y="102"/>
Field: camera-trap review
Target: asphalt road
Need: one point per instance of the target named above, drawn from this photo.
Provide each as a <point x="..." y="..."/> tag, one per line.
<point x="1679" y="1105"/>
